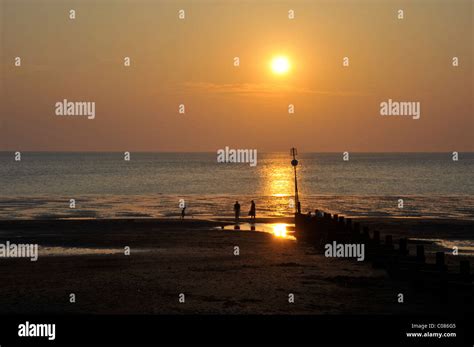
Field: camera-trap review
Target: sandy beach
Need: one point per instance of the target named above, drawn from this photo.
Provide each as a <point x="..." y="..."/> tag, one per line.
<point x="194" y="257"/>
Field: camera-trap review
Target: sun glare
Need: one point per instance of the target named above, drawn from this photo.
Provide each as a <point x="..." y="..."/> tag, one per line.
<point x="280" y="65"/>
<point x="279" y="230"/>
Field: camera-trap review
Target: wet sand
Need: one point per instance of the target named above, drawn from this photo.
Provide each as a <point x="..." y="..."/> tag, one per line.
<point x="194" y="257"/>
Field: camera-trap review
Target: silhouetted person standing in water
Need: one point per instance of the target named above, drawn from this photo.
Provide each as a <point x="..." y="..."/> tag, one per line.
<point x="183" y="212"/>
<point x="253" y="210"/>
<point x="237" y="211"/>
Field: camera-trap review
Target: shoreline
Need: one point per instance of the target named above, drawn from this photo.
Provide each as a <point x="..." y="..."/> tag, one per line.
<point x="422" y="230"/>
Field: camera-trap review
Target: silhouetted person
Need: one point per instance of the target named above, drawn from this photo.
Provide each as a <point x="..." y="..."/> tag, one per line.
<point x="253" y="210"/>
<point x="237" y="211"/>
<point x="183" y="212"/>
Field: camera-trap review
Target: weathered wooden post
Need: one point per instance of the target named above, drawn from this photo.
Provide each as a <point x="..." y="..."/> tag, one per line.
<point x="389" y="241"/>
<point x="420" y="253"/>
<point x="341" y="225"/>
<point x="357" y="227"/>
<point x="349" y="224"/>
<point x="403" y="246"/>
<point x="365" y="234"/>
<point x="465" y="267"/>
<point x="440" y="260"/>
<point x="376" y="237"/>
<point x="355" y="232"/>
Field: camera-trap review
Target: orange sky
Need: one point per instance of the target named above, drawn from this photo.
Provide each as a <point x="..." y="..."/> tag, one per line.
<point x="191" y="62"/>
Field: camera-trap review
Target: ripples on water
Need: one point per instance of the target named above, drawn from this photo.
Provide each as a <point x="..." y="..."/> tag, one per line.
<point x="128" y="206"/>
<point x="151" y="184"/>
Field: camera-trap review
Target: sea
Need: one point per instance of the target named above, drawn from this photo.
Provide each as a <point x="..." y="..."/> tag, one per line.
<point x="59" y="185"/>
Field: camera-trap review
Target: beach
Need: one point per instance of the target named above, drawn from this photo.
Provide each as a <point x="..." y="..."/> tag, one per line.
<point x="254" y="171"/>
<point x="197" y="258"/>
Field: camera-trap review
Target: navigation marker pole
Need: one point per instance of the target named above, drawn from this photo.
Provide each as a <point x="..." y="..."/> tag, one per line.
<point x="294" y="163"/>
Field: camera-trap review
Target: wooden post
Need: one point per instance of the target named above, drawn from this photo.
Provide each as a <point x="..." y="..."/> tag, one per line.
<point x="403" y="246"/>
<point x="389" y="241"/>
<point x="465" y="267"/>
<point x="349" y="223"/>
<point x="341" y="226"/>
<point x="376" y="237"/>
<point x="440" y="259"/>
<point x="365" y="234"/>
<point x="355" y="234"/>
<point x="357" y="227"/>
<point x="420" y="253"/>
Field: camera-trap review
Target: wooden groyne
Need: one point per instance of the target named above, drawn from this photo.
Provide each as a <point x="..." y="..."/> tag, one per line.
<point x="323" y="228"/>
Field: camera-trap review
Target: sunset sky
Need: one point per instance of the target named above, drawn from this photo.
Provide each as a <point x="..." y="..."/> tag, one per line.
<point x="191" y="62"/>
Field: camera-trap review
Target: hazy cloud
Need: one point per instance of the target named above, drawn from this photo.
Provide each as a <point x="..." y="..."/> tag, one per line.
<point x="260" y="89"/>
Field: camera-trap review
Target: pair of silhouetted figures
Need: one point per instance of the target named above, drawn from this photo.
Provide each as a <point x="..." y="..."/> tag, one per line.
<point x="252" y="212"/>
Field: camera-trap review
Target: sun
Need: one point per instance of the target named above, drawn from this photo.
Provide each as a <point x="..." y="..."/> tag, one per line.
<point x="280" y="65"/>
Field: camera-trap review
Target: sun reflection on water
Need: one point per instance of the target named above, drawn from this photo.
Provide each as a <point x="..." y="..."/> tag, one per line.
<point x="281" y="230"/>
<point x="278" y="230"/>
<point x="278" y="180"/>
<point x="278" y="183"/>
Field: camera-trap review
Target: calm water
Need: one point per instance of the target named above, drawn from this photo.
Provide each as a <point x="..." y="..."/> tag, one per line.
<point x="151" y="184"/>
